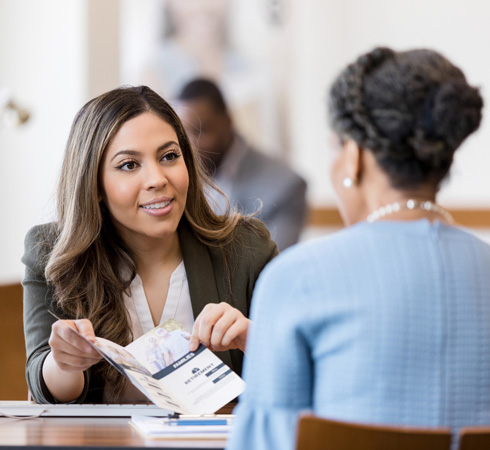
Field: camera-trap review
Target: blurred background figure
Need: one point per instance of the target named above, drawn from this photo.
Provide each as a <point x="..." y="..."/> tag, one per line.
<point x="195" y="43"/>
<point x="196" y="40"/>
<point x="251" y="180"/>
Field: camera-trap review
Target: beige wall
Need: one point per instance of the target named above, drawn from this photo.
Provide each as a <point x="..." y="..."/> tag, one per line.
<point x="54" y="56"/>
<point x="299" y="58"/>
<point x="331" y="33"/>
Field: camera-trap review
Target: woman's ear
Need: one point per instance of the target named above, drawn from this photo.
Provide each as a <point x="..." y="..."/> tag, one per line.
<point x="353" y="160"/>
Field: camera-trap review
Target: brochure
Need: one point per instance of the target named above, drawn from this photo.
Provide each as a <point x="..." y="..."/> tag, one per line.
<point x="161" y="366"/>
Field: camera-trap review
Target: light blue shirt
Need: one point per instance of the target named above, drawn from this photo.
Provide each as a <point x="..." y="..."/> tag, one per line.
<point x="384" y="323"/>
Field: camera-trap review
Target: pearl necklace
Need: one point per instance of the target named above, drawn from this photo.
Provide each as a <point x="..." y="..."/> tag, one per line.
<point x="410" y="204"/>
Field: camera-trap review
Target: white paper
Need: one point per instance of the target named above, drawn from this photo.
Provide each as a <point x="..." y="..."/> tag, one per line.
<point x="155" y="428"/>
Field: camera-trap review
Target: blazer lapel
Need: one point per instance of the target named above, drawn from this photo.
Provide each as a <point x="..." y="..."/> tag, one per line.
<point x="199" y="269"/>
<point x="200" y="276"/>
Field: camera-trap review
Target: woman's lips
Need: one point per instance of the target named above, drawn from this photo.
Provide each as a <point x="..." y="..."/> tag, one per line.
<point x="160" y="208"/>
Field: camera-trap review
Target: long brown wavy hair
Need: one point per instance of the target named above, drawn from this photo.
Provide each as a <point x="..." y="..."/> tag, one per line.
<point x="89" y="266"/>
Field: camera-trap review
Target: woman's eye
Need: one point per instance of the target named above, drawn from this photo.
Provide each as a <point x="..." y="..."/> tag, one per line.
<point x="127" y="166"/>
<point x="171" y="156"/>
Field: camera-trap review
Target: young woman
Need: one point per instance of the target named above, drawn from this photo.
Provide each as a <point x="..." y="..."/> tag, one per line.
<point x="135" y="244"/>
<point x="387" y="321"/>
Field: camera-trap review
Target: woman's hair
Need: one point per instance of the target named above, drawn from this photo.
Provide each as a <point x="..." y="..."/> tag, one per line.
<point x="411" y="109"/>
<point x="89" y="266"/>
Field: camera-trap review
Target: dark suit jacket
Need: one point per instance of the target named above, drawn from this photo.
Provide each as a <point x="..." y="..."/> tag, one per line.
<point x="282" y="192"/>
<point x="205" y="266"/>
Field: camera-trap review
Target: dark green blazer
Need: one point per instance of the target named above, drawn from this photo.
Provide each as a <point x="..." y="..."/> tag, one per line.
<point x="249" y="252"/>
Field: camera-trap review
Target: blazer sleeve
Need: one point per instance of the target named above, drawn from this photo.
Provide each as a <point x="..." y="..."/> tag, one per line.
<point x="256" y="249"/>
<point x="38" y="299"/>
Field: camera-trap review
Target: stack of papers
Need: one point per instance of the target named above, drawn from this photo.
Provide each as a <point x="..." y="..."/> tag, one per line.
<point x="185" y="427"/>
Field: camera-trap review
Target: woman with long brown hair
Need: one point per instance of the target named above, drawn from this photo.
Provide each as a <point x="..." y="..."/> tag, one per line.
<point x="135" y="243"/>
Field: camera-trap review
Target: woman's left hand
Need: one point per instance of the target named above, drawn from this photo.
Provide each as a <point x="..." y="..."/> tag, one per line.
<point x="220" y="327"/>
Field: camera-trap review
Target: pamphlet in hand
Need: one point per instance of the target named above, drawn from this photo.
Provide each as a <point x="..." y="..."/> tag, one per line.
<point x="161" y="366"/>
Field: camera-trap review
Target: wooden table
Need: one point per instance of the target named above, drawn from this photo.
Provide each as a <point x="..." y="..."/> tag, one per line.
<point x="59" y="433"/>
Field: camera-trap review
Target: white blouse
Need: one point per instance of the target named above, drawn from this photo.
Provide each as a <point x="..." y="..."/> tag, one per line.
<point x="177" y="306"/>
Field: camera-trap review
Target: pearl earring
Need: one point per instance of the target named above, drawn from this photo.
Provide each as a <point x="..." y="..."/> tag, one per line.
<point x="348" y="182"/>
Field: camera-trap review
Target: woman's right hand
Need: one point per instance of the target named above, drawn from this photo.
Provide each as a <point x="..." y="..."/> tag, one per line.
<point x="70" y="355"/>
<point x="70" y="351"/>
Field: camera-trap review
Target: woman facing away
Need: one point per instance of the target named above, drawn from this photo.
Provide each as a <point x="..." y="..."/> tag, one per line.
<point x="388" y="320"/>
<point x="135" y="244"/>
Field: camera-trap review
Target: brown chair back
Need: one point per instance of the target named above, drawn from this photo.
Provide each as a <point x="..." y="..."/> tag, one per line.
<point x="13" y="384"/>
<point x="474" y="438"/>
<point x="315" y="433"/>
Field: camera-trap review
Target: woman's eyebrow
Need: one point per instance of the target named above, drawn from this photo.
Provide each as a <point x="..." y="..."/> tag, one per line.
<point x="136" y="153"/>
<point x="126" y="152"/>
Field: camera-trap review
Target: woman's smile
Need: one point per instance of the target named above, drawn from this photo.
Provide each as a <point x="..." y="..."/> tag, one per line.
<point x="158" y="207"/>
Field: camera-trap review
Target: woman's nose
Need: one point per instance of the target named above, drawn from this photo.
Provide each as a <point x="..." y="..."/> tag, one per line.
<point x="154" y="176"/>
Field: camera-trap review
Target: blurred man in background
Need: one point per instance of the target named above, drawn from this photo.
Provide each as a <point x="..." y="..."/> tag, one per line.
<point x="250" y="179"/>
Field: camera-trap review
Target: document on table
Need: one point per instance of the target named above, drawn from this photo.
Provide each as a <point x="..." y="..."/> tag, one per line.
<point x="185" y="427"/>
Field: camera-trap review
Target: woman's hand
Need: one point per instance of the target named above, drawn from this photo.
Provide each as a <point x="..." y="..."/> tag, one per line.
<point x="220" y="327"/>
<point x="70" y="351"/>
<point x="70" y="355"/>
